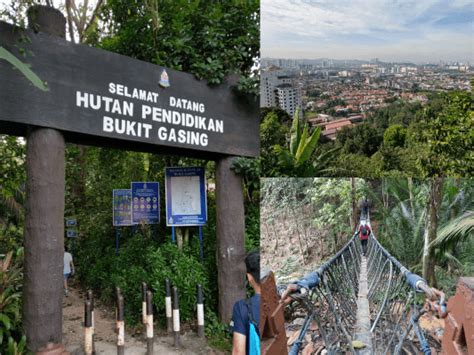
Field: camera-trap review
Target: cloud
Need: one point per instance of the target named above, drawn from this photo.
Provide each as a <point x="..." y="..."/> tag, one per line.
<point x="316" y="26"/>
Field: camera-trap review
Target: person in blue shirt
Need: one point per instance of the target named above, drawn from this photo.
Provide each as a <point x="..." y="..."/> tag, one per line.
<point x="240" y="315"/>
<point x="302" y="286"/>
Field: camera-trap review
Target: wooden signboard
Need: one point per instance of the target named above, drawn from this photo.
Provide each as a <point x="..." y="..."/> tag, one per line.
<point x="106" y="99"/>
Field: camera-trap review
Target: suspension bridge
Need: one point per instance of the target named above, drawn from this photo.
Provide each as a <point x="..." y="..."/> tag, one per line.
<point x="364" y="302"/>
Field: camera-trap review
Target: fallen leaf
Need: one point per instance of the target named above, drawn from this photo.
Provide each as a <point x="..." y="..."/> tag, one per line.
<point x="357" y="344"/>
<point x="308" y="349"/>
<point x="293" y="337"/>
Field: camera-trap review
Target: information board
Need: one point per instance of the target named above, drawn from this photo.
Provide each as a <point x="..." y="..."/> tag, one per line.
<point x="122" y="209"/>
<point x="186" y="199"/>
<point x="145" y="202"/>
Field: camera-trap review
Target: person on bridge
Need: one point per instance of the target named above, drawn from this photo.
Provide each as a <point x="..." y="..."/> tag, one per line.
<point x="246" y="313"/>
<point x="302" y="287"/>
<point x="364" y="208"/>
<point x="364" y="232"/>
<point x="68" y="268"/>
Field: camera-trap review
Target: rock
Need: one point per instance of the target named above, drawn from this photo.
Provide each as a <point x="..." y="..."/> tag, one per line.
<point x="313" y="326"/>
<point x="298" y="321"/>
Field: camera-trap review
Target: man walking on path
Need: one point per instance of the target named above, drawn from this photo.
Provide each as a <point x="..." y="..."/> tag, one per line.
<point x="68" y="269"/>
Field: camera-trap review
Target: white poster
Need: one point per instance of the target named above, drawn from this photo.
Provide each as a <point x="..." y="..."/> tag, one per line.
<point x="186" y="196"/>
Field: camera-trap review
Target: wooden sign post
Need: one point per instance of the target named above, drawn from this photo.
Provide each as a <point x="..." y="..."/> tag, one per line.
<point x="44" y="217"/>
<point x="91" y="96"/>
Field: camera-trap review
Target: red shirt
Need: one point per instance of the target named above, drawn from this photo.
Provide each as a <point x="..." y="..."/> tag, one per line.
<point x="361" y="230"/>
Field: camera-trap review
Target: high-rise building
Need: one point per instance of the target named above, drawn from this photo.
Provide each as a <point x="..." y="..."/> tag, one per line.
<point x="288" y="98"/>
<point x="277" y="90"/>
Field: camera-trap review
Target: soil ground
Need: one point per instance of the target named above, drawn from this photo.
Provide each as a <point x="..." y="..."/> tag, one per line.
<point x="106" y="338"/>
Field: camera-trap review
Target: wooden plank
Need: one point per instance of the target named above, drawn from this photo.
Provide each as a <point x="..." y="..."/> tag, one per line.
<point x="230" y="125"/>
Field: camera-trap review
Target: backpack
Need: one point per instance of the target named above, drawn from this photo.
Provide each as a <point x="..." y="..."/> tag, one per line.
<point x="364" y="231"/>
<point x="254" y="336"/>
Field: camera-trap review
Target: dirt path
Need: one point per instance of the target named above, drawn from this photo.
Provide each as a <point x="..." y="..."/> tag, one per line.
<point x="105" y="337"/>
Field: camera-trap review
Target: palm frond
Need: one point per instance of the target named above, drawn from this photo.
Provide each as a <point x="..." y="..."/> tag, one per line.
<point x="454" y="232"/>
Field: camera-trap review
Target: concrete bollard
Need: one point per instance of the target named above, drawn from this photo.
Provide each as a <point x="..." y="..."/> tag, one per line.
<point x="200" y="312"/>
<point x="176" y="325"/>
<point x="90" y="297"/>
<point x="118" y="292"/>
<point x="120" y="326"/>
<point x="169" y="312"/>
<point x="88" y="330"/>
<point x="149" y="323"/>
<point x="144" y="289"/>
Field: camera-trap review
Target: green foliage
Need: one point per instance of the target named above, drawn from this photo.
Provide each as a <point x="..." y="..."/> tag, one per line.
<point x="208" y="39"/>
<point x="218" y="334"/>
<point x="363" y="139"/>
<point x="141" y="260"/>
<point x="302" y="143"/>
<point x="454" y="232"/>
<point x="273" y="134"/>
<point x="450" y="138"/>
<point x="249" y="170"/>
<point x="12" y="192"/>
<point x="402" y="139"/>
<point x="400" y="206"/>
<point x="291" y="151"/>
<point x="12" y="341"/>
<point x="394" y="136"/>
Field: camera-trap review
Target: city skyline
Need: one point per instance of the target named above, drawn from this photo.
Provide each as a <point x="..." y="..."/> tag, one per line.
<point x="392" y="31"/>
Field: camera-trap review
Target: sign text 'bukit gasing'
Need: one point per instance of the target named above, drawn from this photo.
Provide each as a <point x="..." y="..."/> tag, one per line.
<point x="187" y="119"/>
<point x="105" y="99"/>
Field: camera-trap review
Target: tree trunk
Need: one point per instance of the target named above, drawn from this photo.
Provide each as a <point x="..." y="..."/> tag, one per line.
<point x="299" y="236"/>
<point x="431" y="225"/>
<point x="179" y="238"/>
<point x="186" y="236"/>
<point x="230" y="230"/>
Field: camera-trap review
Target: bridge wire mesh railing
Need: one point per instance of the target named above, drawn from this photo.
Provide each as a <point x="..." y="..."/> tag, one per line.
<point x="392" y="289"/>
<point x="332" y="300"/>
<point x="394" y="310"/>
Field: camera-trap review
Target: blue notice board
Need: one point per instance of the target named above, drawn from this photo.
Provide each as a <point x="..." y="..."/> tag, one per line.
<point x="186" y="200"/>
<point x="145" y="202"/>
<point x="122" y="207"/>
<point x="71" y="222"/>
<point x="71" y="233"/>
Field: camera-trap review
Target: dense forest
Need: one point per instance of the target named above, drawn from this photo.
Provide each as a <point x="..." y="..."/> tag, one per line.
<point x="426" y="224"/>
<point x="402" y="139"/>
<point x="209" y="40"/>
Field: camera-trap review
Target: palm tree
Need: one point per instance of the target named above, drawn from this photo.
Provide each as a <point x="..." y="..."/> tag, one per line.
<point x="302" y="147"/>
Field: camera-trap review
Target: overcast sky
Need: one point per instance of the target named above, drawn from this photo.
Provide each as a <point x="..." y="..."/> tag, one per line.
<point x="391" y="30"/>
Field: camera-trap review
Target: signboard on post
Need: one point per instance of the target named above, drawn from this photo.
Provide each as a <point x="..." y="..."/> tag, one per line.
<point x="145" y="202"/>
<point x="122" y="207"/>
<point x="71" y="233"/>
<point x="71" y="227"/>
<point x="97" y="104"/>
<point x="186" y="199"/>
